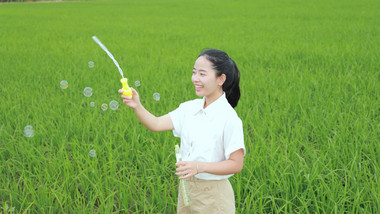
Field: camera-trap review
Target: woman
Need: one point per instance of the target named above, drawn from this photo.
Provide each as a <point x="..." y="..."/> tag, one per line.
<point x="212" y="141"/>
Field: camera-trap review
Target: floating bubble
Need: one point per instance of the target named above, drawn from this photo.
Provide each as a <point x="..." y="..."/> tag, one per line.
<point x="64" y="84"/>
<point x="104" y="106"/>
<point x="137" y="83"/>
<point x="28" y="131"/>
<point x="156" y="96"/>
<point x="114" y="105"/>
<point x="91" y="64"/>
<point x="92" y="104"/>
<point x="87" y="92"/>
<point x="92" y="153"/>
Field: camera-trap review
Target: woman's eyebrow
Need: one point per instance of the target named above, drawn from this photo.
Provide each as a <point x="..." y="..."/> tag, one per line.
<point x="200" y="69"/>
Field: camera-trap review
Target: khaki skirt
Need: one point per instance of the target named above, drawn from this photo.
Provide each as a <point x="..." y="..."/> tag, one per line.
<point x="207" y="197"/>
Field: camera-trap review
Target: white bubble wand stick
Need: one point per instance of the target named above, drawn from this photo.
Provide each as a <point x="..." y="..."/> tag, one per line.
<point x="182" y="183"/>
<point x="126" y="90"/>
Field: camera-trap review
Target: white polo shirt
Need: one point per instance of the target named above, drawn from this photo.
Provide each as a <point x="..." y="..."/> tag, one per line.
<point x="208" y="135"/>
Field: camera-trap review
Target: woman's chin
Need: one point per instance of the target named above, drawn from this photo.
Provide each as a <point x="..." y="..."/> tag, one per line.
<point x="198" y="93"/>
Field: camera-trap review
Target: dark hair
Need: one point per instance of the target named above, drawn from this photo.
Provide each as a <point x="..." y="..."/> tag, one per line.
<point x="223" y="64"/>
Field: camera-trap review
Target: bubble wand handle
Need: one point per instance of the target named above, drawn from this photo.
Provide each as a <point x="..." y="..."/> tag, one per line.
<point x="182" y="183"/>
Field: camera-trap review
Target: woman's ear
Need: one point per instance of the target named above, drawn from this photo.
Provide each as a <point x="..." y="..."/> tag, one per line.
<point x="221" y="79"/>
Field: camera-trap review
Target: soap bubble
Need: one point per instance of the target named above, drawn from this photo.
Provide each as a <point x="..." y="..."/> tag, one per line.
<point x="114" y="105"/>
<point x="90" y="64"/>
<point x="28" y="131"/>
<point x="92" y="153"/>
<point x="92" y="104"/>
<point x="64" y="84"/>
<point x="104" y="106"/>
<point x="87" y="92"/>
<point x="156" y="96"/>
<point x="137" y="83"/>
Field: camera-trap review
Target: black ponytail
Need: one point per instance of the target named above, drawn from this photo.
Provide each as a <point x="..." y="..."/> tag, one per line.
<point x="223" y="64"/>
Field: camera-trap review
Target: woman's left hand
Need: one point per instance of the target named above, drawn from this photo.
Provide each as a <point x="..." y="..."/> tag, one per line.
<point x="186" y="169"/>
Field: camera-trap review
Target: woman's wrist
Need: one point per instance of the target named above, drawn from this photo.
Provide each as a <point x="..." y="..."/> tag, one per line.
<point x="200" y="167"/>
<point x="138" y="107"/>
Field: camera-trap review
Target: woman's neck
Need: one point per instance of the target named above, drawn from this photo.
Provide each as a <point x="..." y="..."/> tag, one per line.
<point x="212" y="97"/>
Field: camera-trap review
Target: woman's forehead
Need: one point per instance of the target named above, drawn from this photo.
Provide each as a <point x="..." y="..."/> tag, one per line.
<point x="202" y="63"/>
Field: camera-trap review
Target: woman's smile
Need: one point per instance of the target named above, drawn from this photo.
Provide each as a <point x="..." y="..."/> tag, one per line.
<point x="198" y="87"/>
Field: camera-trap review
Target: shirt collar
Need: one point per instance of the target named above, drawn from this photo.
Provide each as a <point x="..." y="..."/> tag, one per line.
<point x="214" y="108"/>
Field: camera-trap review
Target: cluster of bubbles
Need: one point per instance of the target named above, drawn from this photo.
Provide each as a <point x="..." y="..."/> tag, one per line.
<point x="88" y="92"/>
<point x="28" y="131"/>
<point x="114" y="105"/>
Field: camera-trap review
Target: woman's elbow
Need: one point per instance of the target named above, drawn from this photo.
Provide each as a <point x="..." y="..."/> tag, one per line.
<point x="238" y="158"/>
<point x="238" y="169"/>
<point x="153" y="129"/>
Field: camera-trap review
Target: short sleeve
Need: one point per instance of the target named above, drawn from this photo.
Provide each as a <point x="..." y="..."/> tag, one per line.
<point x="233" y="137"/>
<point x="177" y="116"/>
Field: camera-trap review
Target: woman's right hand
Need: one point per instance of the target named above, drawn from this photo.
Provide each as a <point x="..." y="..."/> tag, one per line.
<point x="133" y="102"/>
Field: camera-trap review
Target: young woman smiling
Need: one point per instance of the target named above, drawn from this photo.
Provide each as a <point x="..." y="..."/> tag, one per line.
<point x="212" y="140"/>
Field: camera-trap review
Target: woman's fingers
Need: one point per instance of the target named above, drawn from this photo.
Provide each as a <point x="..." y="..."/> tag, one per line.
<point x="185" y="174"/>
<point x="134" y="92"/>
<point x="125" y="97"/>
<point x="185" y="169"/>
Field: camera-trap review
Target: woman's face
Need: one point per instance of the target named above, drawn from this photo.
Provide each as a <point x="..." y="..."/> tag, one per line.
<point x="205" y="79"/>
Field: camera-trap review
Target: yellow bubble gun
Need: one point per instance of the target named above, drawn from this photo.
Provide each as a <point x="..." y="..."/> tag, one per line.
<point x="126" y="89"/>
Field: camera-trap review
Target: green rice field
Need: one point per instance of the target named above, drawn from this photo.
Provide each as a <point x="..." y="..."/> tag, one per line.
<point x="310" y="82"/>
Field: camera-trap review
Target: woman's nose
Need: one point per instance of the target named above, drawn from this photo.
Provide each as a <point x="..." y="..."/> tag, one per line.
<point x="195" y="78"/>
